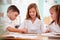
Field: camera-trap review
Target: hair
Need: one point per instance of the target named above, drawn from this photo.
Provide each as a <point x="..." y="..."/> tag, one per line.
<point x="33" y="5"/>
<point x="52" y="22"/>
<point x="13" y="8"/>
<point x="57" y="10"/>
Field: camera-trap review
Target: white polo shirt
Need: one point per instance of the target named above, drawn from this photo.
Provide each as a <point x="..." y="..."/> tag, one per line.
<point x="36" y="27"/>
<point x="54" y="28"/>
<point x="7" y="22"/>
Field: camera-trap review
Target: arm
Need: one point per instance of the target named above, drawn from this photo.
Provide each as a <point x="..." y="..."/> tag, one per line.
<point x="47" y="31"/>
<point x="23" y="27"/>
<point x="10" y="29"/>
<point x="16" y="30"/>
<point x="44" y="29"/>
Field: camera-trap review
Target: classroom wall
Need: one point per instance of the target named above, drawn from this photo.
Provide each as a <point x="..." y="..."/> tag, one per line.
<point x="22" y="5"/>
<point x="41" y="8"/>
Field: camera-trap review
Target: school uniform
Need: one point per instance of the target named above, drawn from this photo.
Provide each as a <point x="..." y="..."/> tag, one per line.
<point x="54" y="28"/>
<point x="8" y="23"/>
<point x="36" y="27"/>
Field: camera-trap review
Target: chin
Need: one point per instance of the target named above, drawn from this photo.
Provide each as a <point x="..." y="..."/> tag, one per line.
<point x="13" y="19"/>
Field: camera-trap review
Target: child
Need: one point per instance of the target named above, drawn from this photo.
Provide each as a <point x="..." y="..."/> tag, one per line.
<point x="12" y="13"/>
<point x="33" y="23"/>
<point x="55" y="14"/>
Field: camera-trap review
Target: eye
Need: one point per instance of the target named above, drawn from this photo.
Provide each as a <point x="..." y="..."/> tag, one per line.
<point x="33" y="11"/>
<point x="29" y="11"/>
<point x="51" y="13"/>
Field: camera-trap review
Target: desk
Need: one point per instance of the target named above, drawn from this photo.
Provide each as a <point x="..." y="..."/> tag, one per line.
<point x="20" y="38"/>
<point x="50" y="36"/>
<point x="39" y="37"/>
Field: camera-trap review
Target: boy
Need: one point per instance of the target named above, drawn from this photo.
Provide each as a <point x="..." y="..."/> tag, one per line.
<point x="12" y="13"/>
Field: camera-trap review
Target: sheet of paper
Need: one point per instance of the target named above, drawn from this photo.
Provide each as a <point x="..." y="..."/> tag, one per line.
<point x="17" y="35"/>
<point x="48" y="34"/>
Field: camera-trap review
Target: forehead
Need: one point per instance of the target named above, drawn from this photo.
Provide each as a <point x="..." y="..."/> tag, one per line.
<point x="52" y="10"/>
<point x="32" y="9"/>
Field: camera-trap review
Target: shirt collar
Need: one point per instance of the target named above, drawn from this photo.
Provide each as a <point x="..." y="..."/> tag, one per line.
<point x="36" y="20"/>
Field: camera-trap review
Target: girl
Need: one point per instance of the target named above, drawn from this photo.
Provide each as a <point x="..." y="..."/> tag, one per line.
<point x="55" y="14"/>
<point x="33" y="23"/>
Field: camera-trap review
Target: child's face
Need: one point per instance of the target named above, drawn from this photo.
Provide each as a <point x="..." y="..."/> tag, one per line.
<point x="32" y="12"/>
<point x="13" y="14"/>
<point x="53" y="14"/>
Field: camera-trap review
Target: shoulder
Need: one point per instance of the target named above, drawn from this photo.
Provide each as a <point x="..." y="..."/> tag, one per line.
<point x="25" y="21"/>
<point x="6" y="19"/>
<point x="40" y="21"/>
<point x="51" y="24"/>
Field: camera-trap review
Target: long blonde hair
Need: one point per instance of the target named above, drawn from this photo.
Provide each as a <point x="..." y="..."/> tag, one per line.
<point x="33" y="5"/>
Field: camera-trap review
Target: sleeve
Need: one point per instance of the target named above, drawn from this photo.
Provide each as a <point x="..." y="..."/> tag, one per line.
<point x="5" y="24"/>
<point x="50" y="28"/>
<point x="23" y="25"/>
<point x="43" y="27"/>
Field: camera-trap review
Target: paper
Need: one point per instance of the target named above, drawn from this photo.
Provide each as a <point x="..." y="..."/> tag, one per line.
<point x="17" y="35"/>
<point x="48" y="34"/>
<point x="56" y="33"/>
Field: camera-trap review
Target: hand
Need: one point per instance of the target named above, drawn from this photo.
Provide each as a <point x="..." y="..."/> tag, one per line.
<point x="47" y="31"/>
<point x="23" y="31"/>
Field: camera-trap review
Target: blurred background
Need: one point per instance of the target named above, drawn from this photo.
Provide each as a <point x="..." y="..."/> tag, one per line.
<point x="43" y="6"/>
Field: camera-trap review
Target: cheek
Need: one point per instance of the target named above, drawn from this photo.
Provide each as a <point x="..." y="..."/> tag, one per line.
<point x="31" y="14"/>
<point x="13" y="17"/>
<point x="35" y="14"/>
<point x="53" y="16"/>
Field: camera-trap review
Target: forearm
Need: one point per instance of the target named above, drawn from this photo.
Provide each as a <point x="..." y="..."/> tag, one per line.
<point x="16" y="30"/>
<point x="12" y="29"/>
<point x="22" y="31"/>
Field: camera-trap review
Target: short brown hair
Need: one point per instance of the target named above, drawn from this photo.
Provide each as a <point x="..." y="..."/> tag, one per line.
<point x="57" y="10"/>
<point x="33" y="5"/>
<point x="13" y="8"/>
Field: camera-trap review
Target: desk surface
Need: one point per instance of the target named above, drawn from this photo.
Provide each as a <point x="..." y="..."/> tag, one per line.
<point x="39" y="37"/>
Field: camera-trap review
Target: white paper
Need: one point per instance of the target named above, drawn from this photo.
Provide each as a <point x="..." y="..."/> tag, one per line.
<point x="48" y="34"/>
<point x="17" y="35"/>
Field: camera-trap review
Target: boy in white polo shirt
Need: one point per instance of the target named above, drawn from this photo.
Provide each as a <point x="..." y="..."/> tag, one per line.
<point x="12" y="13"/>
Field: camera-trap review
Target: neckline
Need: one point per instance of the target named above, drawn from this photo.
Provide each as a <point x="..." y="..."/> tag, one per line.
<point x="34" y="21"/>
